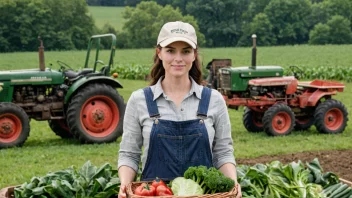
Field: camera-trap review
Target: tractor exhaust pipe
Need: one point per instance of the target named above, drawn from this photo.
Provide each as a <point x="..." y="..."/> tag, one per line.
<point x="41" y="55"/>
<point x="254" y="51"/>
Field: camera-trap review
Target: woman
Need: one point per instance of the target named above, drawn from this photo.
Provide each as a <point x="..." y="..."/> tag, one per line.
<point x="176" y="121"/>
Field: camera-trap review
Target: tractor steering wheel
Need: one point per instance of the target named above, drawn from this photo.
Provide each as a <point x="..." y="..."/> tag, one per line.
<point x="63" y="66"/>
<point x="298" y="73"/>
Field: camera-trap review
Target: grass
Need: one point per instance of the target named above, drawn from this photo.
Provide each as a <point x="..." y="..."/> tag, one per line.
<point x="111" y="15"/>
<point x="44" y="151"/>
<point x="303" y="56"/>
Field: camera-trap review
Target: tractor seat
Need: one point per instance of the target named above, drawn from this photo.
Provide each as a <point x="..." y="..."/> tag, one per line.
<point x="72" y="74"/>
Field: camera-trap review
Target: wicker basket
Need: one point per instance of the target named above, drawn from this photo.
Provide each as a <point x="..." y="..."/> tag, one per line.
<point x="7" y="192"/>
<point x="132" y="186"/>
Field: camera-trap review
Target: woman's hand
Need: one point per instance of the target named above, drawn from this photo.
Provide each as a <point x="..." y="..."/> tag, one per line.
<point x="239" y="192"/>
<point x="122" y="192"/>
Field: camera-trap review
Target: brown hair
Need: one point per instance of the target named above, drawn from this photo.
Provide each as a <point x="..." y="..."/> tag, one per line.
<point x="158" y="70"/>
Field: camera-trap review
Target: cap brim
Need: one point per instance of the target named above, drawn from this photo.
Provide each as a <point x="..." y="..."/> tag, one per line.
<point x="168" y="41"/>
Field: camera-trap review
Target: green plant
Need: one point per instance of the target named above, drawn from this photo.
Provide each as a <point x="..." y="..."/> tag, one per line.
<point x="284" y="180"/>
<point x="132" y="71"/>
<point x="326" y="73"/>
<point x="88" y="181"/>
<point x="211" y="180"/>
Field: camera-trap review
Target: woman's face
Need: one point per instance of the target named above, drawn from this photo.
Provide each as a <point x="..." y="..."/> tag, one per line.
<point x="177" y="59"/>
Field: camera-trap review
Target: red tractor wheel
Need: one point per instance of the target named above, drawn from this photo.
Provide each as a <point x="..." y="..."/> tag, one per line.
<point x="252" y="120"/>
<point x="14" y="125"/>
<point x="60" y="128"/>
<point x="331" y="117"/>
<point x="304" y="122"/>
<point x="95" y="114"/>
<point x="279" y="120"/>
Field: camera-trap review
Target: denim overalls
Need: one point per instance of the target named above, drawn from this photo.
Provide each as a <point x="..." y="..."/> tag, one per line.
<point x="176" y="145"/>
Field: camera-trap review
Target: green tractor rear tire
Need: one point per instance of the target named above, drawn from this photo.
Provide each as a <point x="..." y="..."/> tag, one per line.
<point x="252" y="120"/>
<point x="279" y="120"/>
<point x="95" y="114"/>
<point x="14" y="125"/>
<point x="331" y="117"/>
<point x="60" y="128"/>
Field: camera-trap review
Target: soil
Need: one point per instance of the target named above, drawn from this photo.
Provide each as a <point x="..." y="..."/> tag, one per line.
<point x="338" y="161"/>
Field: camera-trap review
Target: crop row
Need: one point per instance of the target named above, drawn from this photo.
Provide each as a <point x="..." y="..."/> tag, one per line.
<point x="132" y="72"/>
<point x="140" y="72"/>
<point x="326" y="73"/>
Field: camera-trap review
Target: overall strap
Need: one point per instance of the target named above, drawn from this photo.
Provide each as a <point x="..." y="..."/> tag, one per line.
<point x="204" y="102"/>
<point x="151" y="105"/>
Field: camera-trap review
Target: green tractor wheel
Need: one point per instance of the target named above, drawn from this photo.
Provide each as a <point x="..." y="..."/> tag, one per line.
<point x="279" y="120"/>
<point x="95" y="114"/>
<point x="60" y="128"/>
<point x="14" y="125"/>
<point x="252" y="120"/>
<point x="331" y="116"/>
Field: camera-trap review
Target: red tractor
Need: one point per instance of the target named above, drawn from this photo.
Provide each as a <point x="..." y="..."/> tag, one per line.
<point x="278" y="104"/>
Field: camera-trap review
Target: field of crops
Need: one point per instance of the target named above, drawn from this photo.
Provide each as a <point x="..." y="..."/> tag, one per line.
<point x="44" y="152"/>
<point x="111" y="15"/>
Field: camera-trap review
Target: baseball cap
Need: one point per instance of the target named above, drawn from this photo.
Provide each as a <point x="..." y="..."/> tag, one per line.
<point x="177" y="31"/>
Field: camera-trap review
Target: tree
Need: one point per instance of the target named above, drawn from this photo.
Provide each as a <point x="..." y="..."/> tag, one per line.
<point x="260" y="26"/>
<point x="219" y="20"/>
<point x="144" y="22"/>
<point x="181" y="4"/>
<point x="340" y="31"/>
<point x="338" y="7"/>
<point x="132" y="2"/>
<point x="335" y="31"/>
<point x="320" y="34"/>
<point x="61" y="24"/>
<point x="254" y="8"/>
<point x="290" y="20"/>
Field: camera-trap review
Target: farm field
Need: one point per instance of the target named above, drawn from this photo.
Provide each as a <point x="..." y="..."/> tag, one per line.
<point x="302" y="56"/>
<point x="44" y="151"/>
<point x="111" y="15"/>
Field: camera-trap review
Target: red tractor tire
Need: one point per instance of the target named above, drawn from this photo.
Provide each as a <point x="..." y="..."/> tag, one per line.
<point x="14" y="125"/>
<point x="95" y="114"/>
<point x="60" y="128"/>
<point x="252" y="120"/>
<point x="279" y="120"/>
<point x="331" y="117"/>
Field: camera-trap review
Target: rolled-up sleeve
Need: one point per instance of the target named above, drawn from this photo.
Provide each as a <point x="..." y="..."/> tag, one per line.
<point x="132" y="139"/>
<point x="223" y="151"/>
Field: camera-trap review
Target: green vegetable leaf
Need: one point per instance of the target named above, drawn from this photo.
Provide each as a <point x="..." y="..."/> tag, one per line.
<point x="185" y="187"/>
<point x="87" y="171"/>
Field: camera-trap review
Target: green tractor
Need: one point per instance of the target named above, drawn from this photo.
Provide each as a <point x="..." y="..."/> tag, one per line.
<point x="81" y="104"/>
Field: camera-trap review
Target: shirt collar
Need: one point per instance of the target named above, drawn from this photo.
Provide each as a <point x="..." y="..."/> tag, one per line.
<point x="195" y="89"/>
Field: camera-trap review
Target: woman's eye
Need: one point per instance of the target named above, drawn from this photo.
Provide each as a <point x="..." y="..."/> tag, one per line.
<point x="186" y="51"/>
<point x="169" y="50"/>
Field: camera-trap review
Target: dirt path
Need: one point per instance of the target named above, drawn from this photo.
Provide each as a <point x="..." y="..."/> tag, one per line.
<point x="339" y="162"/>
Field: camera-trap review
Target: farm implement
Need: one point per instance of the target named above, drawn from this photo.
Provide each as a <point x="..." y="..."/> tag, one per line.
<point x="81" y="104"/>
<point x="275" y="103"/>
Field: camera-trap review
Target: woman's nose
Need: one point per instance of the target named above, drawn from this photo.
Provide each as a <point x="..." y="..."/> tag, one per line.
<point x="178" y="57"/>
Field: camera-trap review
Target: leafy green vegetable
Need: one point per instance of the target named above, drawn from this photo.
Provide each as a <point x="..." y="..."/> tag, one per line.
<point x="211" y="180"/>
<point x="278" y="180"/>
<point x="185" y="187"/>
<point x="88" y="181"/>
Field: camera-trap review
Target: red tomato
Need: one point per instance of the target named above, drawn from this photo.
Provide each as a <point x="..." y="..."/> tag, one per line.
<point x="145" y="190"/>
<point x="157" y="182"/>
<point x="163" y="191"/>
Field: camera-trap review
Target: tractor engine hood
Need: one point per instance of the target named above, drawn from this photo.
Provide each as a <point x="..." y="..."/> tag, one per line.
<point x="259" y="71"/>
<point x="32" y="76"/>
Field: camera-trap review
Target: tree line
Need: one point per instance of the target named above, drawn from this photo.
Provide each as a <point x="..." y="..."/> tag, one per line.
<point x="67" y="24"/>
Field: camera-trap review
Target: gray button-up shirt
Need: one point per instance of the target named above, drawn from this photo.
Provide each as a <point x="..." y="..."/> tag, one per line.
<point x="137" y="124"/>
